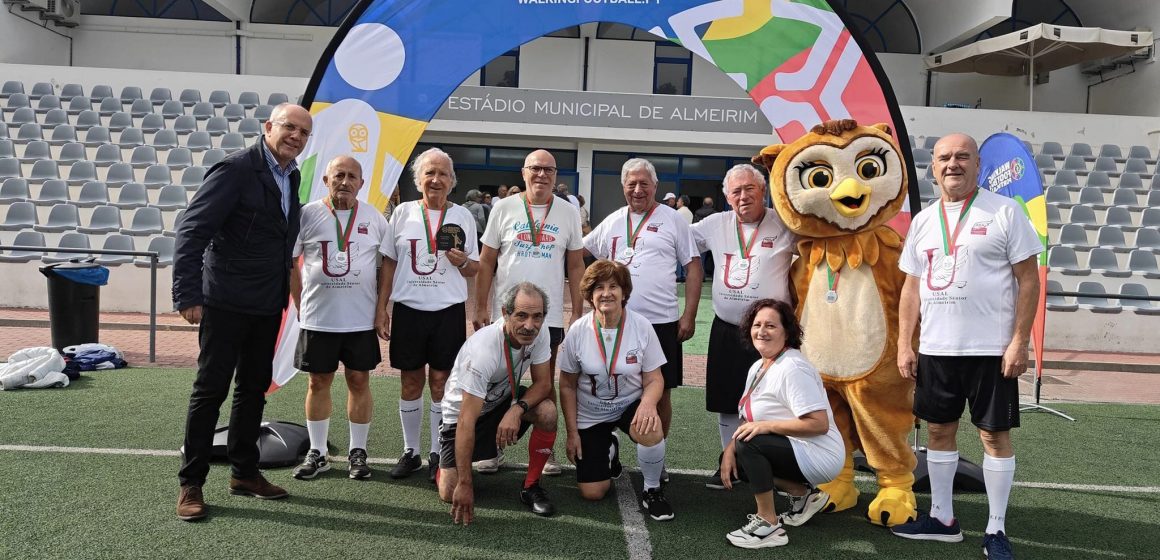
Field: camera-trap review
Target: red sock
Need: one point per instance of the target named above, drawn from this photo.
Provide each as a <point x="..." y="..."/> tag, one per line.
<point x="539" y="449"/>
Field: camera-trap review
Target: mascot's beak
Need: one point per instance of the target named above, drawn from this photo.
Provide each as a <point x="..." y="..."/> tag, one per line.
<point x="851" y="198"/>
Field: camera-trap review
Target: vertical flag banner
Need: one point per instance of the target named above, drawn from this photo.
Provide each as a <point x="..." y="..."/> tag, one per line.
<point x="393" y="64"/>
<point x="1008" y="168"/>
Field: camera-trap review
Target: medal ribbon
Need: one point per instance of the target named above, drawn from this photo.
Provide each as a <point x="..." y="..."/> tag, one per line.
<point x="343" y="238"/>
<point x="510" y="361"/>
<point x="596" y="326"/>
<point x="832" y="278"/>
<point x="948" y="238"/>
<point x="532" y="221"/>
<point x="747" y="247"/>
<point x="632" y="234"/>
<point x="431" y="249"/>
<point x="748" y="397"/>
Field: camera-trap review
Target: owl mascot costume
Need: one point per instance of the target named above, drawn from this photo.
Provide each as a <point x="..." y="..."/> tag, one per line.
<point x="836" y="188"/>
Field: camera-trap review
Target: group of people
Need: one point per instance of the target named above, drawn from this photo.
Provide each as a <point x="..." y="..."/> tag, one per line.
<point x="246" y="246"/>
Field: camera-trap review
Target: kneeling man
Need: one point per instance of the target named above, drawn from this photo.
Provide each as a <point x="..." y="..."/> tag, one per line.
<point x="485" y="409"/>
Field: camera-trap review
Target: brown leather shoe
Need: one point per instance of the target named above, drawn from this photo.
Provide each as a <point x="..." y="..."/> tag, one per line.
<point x="257" y="487"/>
<point x="190" y="504"/>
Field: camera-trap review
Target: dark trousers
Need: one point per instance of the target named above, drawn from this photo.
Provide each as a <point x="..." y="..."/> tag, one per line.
<point x="766" y="457"/>
<point x="230" y="342"/>
<point x="707" y="265"/>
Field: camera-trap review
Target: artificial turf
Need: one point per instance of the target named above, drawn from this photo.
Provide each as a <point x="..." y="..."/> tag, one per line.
<point x="60" y="505"/>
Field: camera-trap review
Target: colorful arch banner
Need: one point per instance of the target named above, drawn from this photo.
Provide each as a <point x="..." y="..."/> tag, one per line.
<point x="1008" y="168"/>
<point x="394" y="63"/>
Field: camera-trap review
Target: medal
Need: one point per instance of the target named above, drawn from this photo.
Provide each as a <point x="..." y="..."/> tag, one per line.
<point x="633" y="234"/>
<point x="340" y="257"/>
<point x="343" y="237"/>
<point x="430" y="260"/>
<point x="432" y="250"/>
<point x="831" y="296"/>
<point x="832" y="278"/>
<point x="627" y="253"/>
<point x="743" y="264"/>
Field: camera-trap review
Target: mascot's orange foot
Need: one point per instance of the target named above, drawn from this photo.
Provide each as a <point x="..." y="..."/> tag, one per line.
<point x="892" y="506"/>
<point x="843" y="495"/>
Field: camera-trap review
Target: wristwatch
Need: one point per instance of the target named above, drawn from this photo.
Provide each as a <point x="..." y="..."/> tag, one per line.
<point x="464" y="265"/>
<point x="523" y="404"/>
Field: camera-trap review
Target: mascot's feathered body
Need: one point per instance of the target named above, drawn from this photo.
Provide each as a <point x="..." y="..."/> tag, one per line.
<point x="836" y="188"/>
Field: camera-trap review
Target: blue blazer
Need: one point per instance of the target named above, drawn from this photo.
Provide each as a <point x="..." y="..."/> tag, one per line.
<point x="234" y="244"/>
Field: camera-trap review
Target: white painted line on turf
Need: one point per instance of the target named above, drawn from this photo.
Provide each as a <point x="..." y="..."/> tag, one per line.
<point x="691" y="472"/>
<point x="635" y="531"/>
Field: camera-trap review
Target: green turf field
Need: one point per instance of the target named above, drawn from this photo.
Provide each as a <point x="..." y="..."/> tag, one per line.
<point x="699" y="344"/>
<point x="110" y="505"/>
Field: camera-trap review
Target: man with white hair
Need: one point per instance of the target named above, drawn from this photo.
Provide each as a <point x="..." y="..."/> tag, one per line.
<point x="652" y="241"/>
<point x="434" y="241"/>
<point x="752" y="250"/>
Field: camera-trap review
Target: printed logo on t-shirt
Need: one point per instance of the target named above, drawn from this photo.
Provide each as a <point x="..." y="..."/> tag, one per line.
<point x="738" y="272"/>
<point x="334" y="266"/>
<point x="522" y="242"/>
<point x="767" y="242"/>
<point x="364" y="228"/>
<point x="621" y="254"/>
<point x="942" y="269"/>
<point x="654" y="226"/>
<point x="632" y="357"/>
<point x="605" y="387"/>
<point x="422" y="262"/>
<point x="980" y="228"/>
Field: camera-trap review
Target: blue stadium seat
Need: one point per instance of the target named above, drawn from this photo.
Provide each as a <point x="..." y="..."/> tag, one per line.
<point x="52" y="192"/>
<point x="1136" y="166"/>
<point x="250" y="127"/>
<point x="1075" y="163"/>
<point x="1112" y="237"/>
<point x="21" y="215"/>
<point x="120" y="121"/>
<point x="70" y="240"/>
<point x="199" y="141"/>
<point x="1131" y="181"/>
<point x="109" y="106"/>
<point x="1141" y="152"/>
<point x="62" y="217"/>
<point x="1126" y="198"/>
<point x="1084" y="216"/>
<point x="1097" y="300"/>
<point x="1107" y="165"/>
<point x="25" y="239"/>
<point x="1120" y="216"/>
<point x="29" y="132"/>
<point x="93" y="193"/>
<point x="116" y="242"/>
<point x="105" y="219"/>
<point x="18" y="100"/>
<point x="185" y="124"/>
<point x="1091" y="196"/>
<point x="22" y="116"/>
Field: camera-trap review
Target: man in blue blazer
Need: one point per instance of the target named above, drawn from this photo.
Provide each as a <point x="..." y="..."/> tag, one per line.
<point x="231" y="276"/>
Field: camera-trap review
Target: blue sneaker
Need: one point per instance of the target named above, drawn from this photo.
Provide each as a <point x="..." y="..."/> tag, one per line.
<point x="997" y="547"/>
<point x="927" y="528"/>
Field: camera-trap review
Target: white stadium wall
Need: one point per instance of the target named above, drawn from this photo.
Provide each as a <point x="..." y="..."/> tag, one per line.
<point x="551" y="63"/>
<point x="27" y="42"/>
<point x="620" y="66"/>
<point x="1134" y="92"/>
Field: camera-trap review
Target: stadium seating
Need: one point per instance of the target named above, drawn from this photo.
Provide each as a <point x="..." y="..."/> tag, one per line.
<point x="70" y="240"/>
<point x="1097" y="301"/>
<point x="163" y="246"/>
<point x="52" y="193"/>
<point x="62" y="217"/>
<point x="116" y="242"/>
<point x="146" y="221"/>
<point x="105" y="219"/>
<point x="25" y="239"/>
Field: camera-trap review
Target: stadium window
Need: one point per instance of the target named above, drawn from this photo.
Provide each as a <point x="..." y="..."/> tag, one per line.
<point x="1025" y="14"/>
<point x="566" y="33"/>
<point x="326" y="13"/>
<point x="887" y="25"/>
<point x="502" y="71"/>
<point x="176" y="9"/>
<point x="673" y="68"/>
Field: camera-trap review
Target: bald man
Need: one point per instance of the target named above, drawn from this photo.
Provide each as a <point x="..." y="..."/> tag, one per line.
<point x="529" y="237"/>
<point x="972" y="277"/>
<point x="336" y="291"/>
<point x="231" y="276"/>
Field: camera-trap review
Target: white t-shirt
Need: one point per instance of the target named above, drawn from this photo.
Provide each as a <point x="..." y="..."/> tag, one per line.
<point x="480" y="369"/>
<point x="339" y="293"/>
<point x="420" y="283"/>
<point x="738" y="282"/>
<point x="519" y="260"/>
<point x="791" y="389"/>
<point x="968" y="299"/>
<point x="601" y="397"/>
<point x="685" y="213"/>
<point x="664" y="242"/>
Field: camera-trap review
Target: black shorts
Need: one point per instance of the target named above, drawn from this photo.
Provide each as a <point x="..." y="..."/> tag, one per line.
<point x="555" y="336"/>
<point x="595" y="441"/>
<point x="420" y="338"/>
<point x="765" y="458"/>
<point x="486" y="427"/>
<point x="944" y="383"/>
<point x="674" y="368"/>
<point x="320" y="352"/>
<point x="726" y="367"/>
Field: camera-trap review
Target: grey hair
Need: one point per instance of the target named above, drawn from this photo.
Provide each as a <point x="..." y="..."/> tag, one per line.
<point x="474" y="195"/>
<point x="739" y="169"/>
<point x="508" y="299"/>
<point x="684" y="198"/>
<point x="636" y="164"/>
<point x="418" y="164"/>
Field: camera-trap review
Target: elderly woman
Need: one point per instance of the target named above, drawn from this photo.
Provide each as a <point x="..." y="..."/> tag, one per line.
<point x="610" y="379"/>
<point x="432" y="250"/>
<point x="787" y="439"/>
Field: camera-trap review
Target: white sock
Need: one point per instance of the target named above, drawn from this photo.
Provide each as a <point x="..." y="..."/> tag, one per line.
<point x="358" y="435"/>
<point x="411" y="416"/>
<point x="941" y="467"/>
<point x="435" y="417"/>
<point x="318" y="430"/>
<point x="651" y="460"/>
<point x="727" y="424"/>
<point x="998" y="476"/>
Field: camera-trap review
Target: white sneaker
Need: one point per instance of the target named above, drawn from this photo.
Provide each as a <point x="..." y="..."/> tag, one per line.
<point x="552" y="467"/>
<point x="804" y="507"/>
<point x="758" y="533"/>
<point x="489" y="466"/>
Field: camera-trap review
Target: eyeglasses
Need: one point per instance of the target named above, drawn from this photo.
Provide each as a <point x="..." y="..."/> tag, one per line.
<point x="537" y="169"/>
<point x="293" y="128"/>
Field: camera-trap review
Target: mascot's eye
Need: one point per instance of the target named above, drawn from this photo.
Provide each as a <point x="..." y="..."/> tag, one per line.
<point x="817" y="177"/>
<point x="870" y="166"/>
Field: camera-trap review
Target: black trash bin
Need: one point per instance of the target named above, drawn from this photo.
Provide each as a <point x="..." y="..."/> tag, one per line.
<point x="74" y="298"/>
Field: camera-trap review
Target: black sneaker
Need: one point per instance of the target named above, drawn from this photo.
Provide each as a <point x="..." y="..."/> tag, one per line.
<point x="314" y="463"/>
<point x="654" y="502"/>
<point x="357" y="464"/>
<point x="408" y="463"/>
<point x="615" y="469"/>
<point x="432" y="466"/>
<point x="536" y="499"/>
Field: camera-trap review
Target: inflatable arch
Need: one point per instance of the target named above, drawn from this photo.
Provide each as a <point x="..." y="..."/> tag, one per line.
<point x="393" y="63"/>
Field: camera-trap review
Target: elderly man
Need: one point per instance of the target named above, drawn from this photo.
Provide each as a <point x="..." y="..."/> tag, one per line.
<point x="335" y="292"/>
<point x="231" y="276"/>
<point x="532" y="238"/>
<point x="474" y="204"/>
<point x="435" y="242"/>
<point x="752" y="249"/>
<point x="670" y="200"/>
<point x="972" y="278"/>
<point x="486" y="409"/>
<point x="652" y="241"/>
